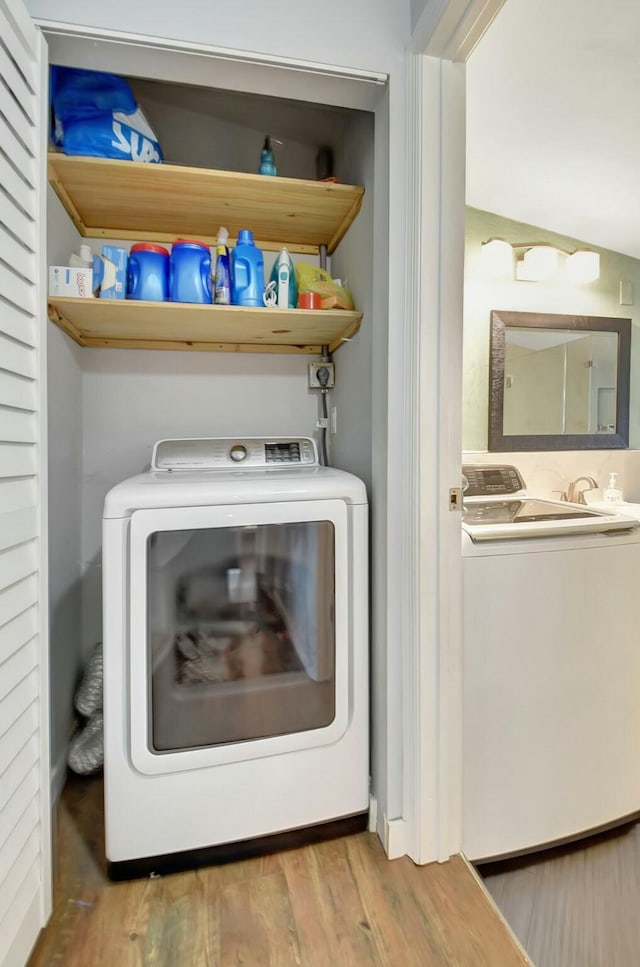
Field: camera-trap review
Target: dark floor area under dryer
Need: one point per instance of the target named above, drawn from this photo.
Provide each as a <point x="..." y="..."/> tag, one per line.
<point x="339" y="903"/>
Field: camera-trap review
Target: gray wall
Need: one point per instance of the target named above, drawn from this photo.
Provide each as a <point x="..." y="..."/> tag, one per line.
<point x="65" y="504"/>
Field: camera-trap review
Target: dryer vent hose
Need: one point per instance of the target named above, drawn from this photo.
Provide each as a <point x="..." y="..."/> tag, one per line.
<point x="86" y="750"/>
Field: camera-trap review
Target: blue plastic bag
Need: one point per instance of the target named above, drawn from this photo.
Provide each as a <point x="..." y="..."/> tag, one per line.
<point x="96" y="114"/>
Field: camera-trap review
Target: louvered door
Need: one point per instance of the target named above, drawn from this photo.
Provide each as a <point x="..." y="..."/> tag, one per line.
<point x="25" y="866"/>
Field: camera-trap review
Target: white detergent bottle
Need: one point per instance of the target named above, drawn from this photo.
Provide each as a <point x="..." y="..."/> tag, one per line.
<point x="612" y="494"/>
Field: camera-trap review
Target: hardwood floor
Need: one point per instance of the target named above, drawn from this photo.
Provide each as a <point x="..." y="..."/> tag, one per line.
<point x="333" y="904"/>
<point x="576" y="906"/>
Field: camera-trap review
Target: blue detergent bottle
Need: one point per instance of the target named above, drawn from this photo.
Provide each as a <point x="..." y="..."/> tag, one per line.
<point x="247" y="271"/>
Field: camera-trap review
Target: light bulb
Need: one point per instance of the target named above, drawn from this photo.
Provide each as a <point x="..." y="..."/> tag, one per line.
<point x="497" y="258"/>
<point x="583" y="266"/>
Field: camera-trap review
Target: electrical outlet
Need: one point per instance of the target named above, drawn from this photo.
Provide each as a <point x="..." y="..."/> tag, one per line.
<point x="314" y="369"/>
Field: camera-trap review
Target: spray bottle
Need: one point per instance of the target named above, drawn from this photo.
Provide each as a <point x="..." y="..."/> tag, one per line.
<point x="222" y="282"/>
<point x="267" y="160"/>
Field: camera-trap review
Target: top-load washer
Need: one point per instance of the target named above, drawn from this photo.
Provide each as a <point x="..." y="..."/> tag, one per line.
<point x="551" y="667"/>
<point x="235" y="653"/>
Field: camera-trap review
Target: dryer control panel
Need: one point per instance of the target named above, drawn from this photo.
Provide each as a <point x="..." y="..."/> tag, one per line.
<point x="224" y="453"/>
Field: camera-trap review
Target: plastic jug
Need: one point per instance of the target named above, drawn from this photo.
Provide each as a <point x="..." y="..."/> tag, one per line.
<point x="190" y="272"/>
<point x="148" y="272"/>
<point x="247" y="271"/>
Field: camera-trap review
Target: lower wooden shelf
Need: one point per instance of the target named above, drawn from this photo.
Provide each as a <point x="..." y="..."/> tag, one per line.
<point x="126" y="324"/>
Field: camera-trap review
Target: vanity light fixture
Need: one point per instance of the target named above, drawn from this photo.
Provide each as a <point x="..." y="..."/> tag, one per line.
<point x="537" y="261"/>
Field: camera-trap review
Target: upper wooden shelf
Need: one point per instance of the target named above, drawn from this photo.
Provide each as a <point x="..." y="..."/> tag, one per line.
<point x="124" y="324"/>
<point x="161" y="202"/>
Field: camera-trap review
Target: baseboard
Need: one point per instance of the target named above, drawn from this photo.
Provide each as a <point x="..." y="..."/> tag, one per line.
<point x="373" y="814"/>
<point x="393" y="835"/>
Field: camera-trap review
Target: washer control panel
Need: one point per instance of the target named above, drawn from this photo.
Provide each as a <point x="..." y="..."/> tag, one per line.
<point x="223" y="453"/>
<point x="485" y="481"/>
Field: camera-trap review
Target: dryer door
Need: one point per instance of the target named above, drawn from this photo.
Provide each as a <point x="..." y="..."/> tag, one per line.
<point x="238" y="639"/>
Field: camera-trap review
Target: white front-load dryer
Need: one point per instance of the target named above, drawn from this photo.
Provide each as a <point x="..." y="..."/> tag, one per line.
<point x="235" y="653"/>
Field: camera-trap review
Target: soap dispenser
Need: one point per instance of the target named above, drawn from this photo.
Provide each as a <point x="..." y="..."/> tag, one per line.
<point x="612" y="494"/>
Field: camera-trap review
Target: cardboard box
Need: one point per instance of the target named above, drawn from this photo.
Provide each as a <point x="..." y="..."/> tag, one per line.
<point x="68" y="280"/>
<point x="114" y="280"/>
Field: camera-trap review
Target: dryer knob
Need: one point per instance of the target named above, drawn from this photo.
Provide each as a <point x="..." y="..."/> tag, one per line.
<point x="238" y="453"/>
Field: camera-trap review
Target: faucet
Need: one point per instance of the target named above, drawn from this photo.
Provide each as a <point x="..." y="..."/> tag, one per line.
<point x="575" y="495"/>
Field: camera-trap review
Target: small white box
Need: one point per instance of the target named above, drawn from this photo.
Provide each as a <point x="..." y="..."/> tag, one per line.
<point x="67" y="280"/>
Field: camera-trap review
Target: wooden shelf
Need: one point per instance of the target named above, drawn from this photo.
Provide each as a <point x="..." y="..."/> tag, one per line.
<point x="175" y="325"/>
<point x="160" y="202"/>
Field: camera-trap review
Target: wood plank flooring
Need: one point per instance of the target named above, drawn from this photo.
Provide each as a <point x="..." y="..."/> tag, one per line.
<point x="576" y="906"/>
<point x="334" y="904"/>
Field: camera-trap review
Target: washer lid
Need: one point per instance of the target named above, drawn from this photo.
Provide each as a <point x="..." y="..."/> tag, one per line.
<point x="494" y="520"/>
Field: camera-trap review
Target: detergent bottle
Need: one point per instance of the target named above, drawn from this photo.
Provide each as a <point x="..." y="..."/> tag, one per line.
<point x="247" y="271"/>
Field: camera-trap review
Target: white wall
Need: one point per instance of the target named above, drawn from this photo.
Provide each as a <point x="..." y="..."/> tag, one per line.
<point x="482" y="294"/>
<point x="65" y="503"/>
<point x="365" y="34"/>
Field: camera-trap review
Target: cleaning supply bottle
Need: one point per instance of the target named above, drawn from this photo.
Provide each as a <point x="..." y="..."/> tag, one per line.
<point x="284" y="275"/>
<point x="247" y="271"/>
<point x="222" y="285"/>
<point x="267" y="160"/>
<point x="612" y="494"/>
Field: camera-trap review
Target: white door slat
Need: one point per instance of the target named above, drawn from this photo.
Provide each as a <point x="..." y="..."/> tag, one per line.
<point x="24" y="829"/>
<point x="17" y="358"/>
<point x="16" y="324"/>
<point x="16" y="494"/>
<point x="18" y="894"/>
<point x="20" y="764"/>
<point x="16" y="738"/>
<point x="16" y="461"/>
<point x="17" y="222"/>
<point x="16" y="83"/>
<point x="18" y="804"/>
<point x="18" y="190"/>
<point x="16" y="390"/>
<point x="13" y="41"/>
<point x="18" y="527"/>
<point x="21" y="913"/>
<point x="19" y="698"/>
<point x="17" y="563"/>
<point x="18" y="154"/>
<point x="16" y="599"/>
<point x="20" y="258"/>
<point x="24" y="129"/>
<point x="15" y="634"/>
<point x="17" y="290"/>
<point x="17" y="426"/>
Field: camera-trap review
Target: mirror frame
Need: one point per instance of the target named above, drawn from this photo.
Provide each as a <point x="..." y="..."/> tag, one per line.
<point x="502" y="320"/>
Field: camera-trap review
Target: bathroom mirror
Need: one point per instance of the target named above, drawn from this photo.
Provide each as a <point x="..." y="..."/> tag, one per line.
<point x="558" y="382"/>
